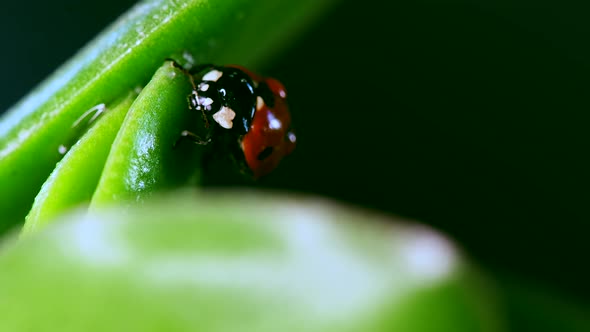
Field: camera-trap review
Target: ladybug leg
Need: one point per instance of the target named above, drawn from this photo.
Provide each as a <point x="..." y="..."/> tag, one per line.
<point x="192" y="98"/>
<point x="194" y="105"/>
<point x="194" y="138"/>
<point x="189" y="72"/>
<point x="184" y="71"/>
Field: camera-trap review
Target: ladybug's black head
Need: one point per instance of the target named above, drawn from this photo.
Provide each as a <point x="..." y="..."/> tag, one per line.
<point x="226" y="96"/>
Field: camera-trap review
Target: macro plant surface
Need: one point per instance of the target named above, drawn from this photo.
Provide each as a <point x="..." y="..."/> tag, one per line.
<point x="206" y="261"/>
<point x="220" y="262"/>
<point x="123" y="58"/>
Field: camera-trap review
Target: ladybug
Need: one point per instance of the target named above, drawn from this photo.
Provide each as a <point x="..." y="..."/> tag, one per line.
<point x="243" y="112"/>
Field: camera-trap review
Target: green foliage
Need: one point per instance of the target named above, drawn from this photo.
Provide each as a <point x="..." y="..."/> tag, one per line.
<point x="122" y="58"/>
<point x="244" y="262"/>
<point x="214" y="263"/>
<point x="75" y="177"/>
<point x="147" y="155"/>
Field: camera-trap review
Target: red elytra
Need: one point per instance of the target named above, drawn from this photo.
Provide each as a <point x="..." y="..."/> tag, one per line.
<point x="270" y="137"/>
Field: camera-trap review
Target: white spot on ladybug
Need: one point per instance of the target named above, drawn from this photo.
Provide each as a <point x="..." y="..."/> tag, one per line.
<point x="213" y="75"/>
<point x="259" y="103"/>
<point x="273" y="122"/>
<point x="224" y="117"/>
<point x="207" y="102"/>
<point x="203" y="86"/>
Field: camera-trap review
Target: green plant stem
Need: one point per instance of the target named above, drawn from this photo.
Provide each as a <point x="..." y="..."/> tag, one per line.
<point x="74" y="179"/>
<point x="124" y="57"/>
<point x="148" y="154"/>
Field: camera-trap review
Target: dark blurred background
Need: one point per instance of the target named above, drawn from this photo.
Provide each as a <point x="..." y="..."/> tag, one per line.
<point x="470" y="116"/>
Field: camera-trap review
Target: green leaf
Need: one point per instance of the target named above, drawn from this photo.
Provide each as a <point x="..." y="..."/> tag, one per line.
<point x="240" y="262"/>
<point x="147" y="155"/>
<point x="124" y="57"/>
<point x="76" y="176"/>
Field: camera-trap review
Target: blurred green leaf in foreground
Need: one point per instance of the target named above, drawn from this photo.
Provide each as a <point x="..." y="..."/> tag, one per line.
<point x="228" y="262"/>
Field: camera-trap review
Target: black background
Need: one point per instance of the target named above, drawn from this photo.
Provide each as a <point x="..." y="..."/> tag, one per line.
<point x="471" y="116"/>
